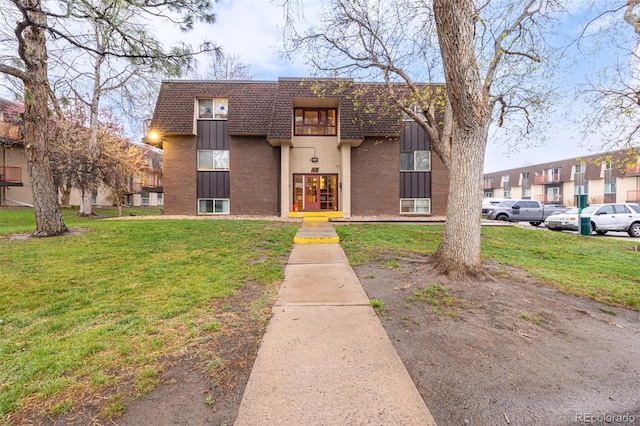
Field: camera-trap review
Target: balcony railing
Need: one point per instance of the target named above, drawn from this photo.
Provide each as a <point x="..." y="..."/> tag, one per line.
<point x="633" y="169"/>
<point x="152" y="179"/>
<point x="542" y="179"/>
<point x="549" y="198"/>
<point x="633" y="196"/>
<point x="487" y="184"/>
<point x="11" y="174"/>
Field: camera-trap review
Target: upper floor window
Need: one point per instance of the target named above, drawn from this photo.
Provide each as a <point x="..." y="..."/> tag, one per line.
<point x="608" y="165"/>
<point x="315" y="121"/>
<point x="415" y="161"/>
<point x="213" y="160"/>
<point x="213" y="108"/>
<point x="580" y="168"/>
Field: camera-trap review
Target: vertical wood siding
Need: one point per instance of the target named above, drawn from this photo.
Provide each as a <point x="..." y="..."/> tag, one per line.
<point x="415" y="184"/>
<point x="212" y="134"/>
<point x="213" y="185"/>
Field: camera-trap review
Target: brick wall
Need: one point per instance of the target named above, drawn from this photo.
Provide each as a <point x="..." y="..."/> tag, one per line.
<point x="179" y="168"/>
<point x="254" y="175"/>
<point x="375" y="178"/>
<point x="439" y="186"/>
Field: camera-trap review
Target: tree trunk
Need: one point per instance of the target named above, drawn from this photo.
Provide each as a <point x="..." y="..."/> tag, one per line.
<point x="459" y="252"/>
<point x="36" y="118"/>
<point x="85" y="203"/>
<point x="459" y="255"/>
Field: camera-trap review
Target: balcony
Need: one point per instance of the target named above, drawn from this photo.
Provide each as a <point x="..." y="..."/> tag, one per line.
<point x="487" y="184"/>
<point x="546" y="178"/>
<point x="633" y="170"/>
<point x="152" y="180"/>
<point x="10" y="176"/>
<point x="550" y="198"/>
<point x="633" y="196"/>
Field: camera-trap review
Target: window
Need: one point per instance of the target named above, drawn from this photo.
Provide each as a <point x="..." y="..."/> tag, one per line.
<point x="144" y="200"/>
<point x="580" y="190"/>
<point x="505" y="179"/>
<point x="580" y="168"/>
<point x="608" y="165"/>
<point x="526" y="192"/>
<point x="159" y="201"/>
<point x="415" y="205"/>
<point x="216" y="108"/>
<point x="319" y="121"/>
<point x="506" y="193"/>
<point x="415" y="161"/>
<point x="213" y="160"/>
<point x="213" y="206"/>
<point x="609" y="188"/>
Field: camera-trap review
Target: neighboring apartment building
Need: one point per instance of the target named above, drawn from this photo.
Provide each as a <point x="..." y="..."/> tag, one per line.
<point x="604" y="178"/>
<point x="293" y="145"/>
<point x="15" y="185"/>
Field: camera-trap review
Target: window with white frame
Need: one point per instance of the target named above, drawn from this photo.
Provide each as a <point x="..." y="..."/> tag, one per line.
<point x="415" y="161"/>
<point x="506" y="193"/>
<point x="213" y="206"/>
<point x="609" y="188"/>
<point x="608" y="165"/>
<point x="159" y="199"/>
<point x="505" y="179"/>
<point x="526" y="192"/>
<point x="415" y="205"/>
<point x="211" y="160"/>
<point x="213" y="108"/>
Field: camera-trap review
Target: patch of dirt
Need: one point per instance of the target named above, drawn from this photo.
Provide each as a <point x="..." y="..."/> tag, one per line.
<point x="511" y="351"/>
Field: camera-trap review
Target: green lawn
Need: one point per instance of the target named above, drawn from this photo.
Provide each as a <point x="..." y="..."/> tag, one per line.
<point x="599" y="268"/>
<point x="77" y="310"/>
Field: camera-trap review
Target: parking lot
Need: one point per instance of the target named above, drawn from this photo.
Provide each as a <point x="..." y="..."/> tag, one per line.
<point x="610" y="234"/>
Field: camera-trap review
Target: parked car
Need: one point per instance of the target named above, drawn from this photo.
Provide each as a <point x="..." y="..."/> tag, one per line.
<point x="560" y="221"/>
<point x="490" y="201"/>
<point x="621" y="217"/>
<point x="530" y="211"/>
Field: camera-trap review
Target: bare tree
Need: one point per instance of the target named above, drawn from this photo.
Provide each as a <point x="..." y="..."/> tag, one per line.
<point x="33" y="21"/>
<point x="225" y="66"/>
<point x="489" y="57"/>
<point x="613" y="93"/>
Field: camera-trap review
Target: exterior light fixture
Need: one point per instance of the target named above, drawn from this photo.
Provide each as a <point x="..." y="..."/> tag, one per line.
<point x="314" y="159"/>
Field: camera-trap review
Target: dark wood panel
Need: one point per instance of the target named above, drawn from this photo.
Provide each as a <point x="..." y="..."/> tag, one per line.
<point x="414" y="138"/>
<point x="212" y="134"/>
<point x="415" y="185"/>
<point x="213" y="185"/>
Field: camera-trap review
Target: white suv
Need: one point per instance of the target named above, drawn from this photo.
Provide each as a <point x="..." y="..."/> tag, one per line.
<point x="614" y="217"/>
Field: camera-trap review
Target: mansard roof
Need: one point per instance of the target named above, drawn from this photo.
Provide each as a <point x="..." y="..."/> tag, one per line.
<point x="265" y="108"/>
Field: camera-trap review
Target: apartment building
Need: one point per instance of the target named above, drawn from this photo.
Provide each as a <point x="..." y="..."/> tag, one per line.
<point x="604" y="178"/>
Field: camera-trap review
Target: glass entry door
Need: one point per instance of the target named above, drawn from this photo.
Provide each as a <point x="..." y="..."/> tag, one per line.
<point x="316" y="192"/>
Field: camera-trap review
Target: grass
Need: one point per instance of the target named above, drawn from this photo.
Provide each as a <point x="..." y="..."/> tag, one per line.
<point x="602" y="269"/>
<point x="80" y="313"/>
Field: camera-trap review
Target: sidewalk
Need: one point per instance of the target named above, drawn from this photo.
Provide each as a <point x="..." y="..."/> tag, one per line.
<point x="325" y="358"/>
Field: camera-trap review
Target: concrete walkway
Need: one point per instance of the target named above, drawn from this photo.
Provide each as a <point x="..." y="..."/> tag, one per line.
<point x="325" y="358"/>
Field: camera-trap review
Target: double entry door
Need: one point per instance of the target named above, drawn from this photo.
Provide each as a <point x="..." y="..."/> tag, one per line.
<point x="316" y="192"/>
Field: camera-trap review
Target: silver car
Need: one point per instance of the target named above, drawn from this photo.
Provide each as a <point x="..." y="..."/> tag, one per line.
<point x="613" y="217"/>
<point x="562" y="221"/>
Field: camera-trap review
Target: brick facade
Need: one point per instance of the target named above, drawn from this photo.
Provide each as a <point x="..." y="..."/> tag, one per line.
<point x="180" y="193"/>
<point x="254" y="171"/>
<point x="439" y="186"/>
<point x="375" y="178"/>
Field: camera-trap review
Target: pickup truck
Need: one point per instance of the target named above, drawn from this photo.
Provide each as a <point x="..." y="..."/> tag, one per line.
<point x="530" y="211"/>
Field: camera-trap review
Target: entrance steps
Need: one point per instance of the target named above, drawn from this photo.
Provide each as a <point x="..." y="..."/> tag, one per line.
<point x="316" y="232"/>
<point x="320" y="216"/>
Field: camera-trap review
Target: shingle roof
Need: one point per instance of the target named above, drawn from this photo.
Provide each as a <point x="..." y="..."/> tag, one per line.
<point x="265" y="108"/>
